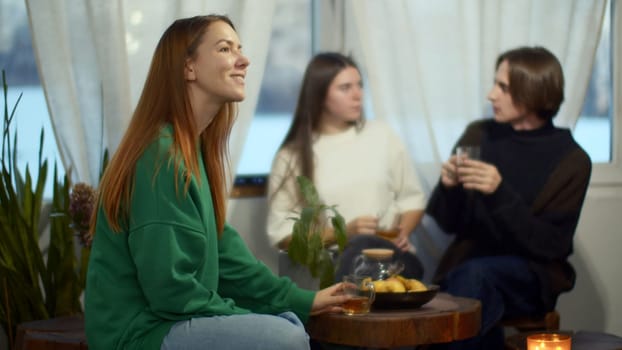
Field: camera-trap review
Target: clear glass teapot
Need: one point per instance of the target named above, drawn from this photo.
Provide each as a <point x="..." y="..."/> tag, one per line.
<point x="377" y="263"/>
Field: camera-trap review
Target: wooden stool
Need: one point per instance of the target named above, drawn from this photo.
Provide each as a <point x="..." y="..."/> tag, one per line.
<point x="63" y="333"/>
<point x="549" y="322"/>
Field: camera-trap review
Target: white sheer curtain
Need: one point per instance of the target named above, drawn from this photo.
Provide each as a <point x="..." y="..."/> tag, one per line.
<point x="93" y="57"/>
<point x="430" y="66"/>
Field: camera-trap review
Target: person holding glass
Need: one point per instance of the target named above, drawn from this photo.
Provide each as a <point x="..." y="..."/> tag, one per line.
<point x="514" y="210"/>
<point x="166" y="271"/>
<point x="360" y="166"/>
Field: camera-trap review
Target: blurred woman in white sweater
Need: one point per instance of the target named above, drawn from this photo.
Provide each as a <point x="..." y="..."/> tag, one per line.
<point x="360" y="166"/>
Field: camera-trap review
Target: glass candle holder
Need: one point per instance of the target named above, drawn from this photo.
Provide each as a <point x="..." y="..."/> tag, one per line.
<point x="549" y="341"/>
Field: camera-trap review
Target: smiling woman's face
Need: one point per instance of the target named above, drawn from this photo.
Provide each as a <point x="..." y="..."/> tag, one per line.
<point x="219" y="67"/>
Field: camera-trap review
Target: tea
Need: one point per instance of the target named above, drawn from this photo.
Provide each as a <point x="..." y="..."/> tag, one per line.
<point x="356" y="305"/>
<point x="390" y="233"/>
<point x="361" y="294"/>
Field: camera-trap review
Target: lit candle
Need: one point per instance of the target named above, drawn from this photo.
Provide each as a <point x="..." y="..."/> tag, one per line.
<point x="548" y="341"/>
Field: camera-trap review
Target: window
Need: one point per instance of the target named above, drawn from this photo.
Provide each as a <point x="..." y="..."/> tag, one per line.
<point x="31" y="116"/>
<point x="594" y="126"/>
<point x="290" y="51"/>
<point x="291" y="48"/>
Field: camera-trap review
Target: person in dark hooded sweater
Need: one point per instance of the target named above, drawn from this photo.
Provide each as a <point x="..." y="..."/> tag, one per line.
<point x="514" y="211"/>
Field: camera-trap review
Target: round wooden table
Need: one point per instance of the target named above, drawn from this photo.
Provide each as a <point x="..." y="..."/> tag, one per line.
<point x="444" y="319"/>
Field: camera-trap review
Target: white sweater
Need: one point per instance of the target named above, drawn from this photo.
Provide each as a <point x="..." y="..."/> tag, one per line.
<point x="363" y="172"/>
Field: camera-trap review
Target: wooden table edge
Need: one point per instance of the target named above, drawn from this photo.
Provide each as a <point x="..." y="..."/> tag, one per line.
<point x="376" y="330"/>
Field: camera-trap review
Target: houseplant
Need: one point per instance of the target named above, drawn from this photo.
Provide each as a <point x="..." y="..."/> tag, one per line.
<point x="307" y="247"/>
<point x="35" y="282"/>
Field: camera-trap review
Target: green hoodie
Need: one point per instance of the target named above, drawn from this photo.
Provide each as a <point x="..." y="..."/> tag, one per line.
<point x="168" y="264"/>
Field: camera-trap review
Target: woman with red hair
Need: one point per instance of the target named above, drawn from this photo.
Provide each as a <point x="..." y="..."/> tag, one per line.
<point x="166" y="271"/>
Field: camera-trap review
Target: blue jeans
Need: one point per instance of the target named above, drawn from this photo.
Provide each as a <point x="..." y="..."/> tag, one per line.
<point x="238" y="332"/>
<point x="505" y="285"/>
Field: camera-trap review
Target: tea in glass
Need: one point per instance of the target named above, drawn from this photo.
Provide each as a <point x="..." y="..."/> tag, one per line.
<point x="357" y="305"/>
<point x="361" y="292"/>
<point x="388" y="233"/>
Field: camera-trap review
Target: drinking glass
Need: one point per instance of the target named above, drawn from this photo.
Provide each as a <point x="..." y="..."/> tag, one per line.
<point x="388" y="225"/>
<point x="464" y="152"/>
<point x="361" y="292"/>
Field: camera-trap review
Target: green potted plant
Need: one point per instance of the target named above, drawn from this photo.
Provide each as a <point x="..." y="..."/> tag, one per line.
<point x="307" y="247"/>
<point x="36" y="282"/>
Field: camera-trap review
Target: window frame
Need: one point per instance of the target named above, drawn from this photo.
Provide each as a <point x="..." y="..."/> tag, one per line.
<point x="610" y="174"/>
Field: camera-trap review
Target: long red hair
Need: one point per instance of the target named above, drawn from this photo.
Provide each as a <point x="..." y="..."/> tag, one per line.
<point x="164" y="100"/>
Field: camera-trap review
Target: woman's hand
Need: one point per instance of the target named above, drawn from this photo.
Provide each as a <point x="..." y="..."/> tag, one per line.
<point x="362" y="225"/>
<point x="329" y="300"/>
<point x="449" y="172"/>
<point x="408" y="221"/>
<point x="479" y="176"/>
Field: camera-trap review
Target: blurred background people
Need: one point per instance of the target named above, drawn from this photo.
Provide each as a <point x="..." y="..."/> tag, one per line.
<point x="360" y="166"/>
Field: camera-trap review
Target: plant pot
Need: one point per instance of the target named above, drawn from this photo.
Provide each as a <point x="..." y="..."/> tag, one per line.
<point x="299" y="274"/>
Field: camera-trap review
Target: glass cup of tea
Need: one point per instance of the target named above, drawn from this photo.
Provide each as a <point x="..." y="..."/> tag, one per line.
<point x="389" y="233"/>
<point x="388" y="226"/>
<point x="362" y="293"/>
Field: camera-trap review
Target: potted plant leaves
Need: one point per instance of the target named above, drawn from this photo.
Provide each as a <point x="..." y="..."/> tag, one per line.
<point x="307" y="247"/>
<point x="37" y="281"/>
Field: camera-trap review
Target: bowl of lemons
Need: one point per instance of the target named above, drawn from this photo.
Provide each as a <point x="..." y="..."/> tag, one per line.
<point x="398" y="292"/>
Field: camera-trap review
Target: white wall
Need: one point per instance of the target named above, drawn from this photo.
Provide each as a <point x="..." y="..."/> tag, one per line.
<point x="595" y="303"/>
<point x="248" y="216"/>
